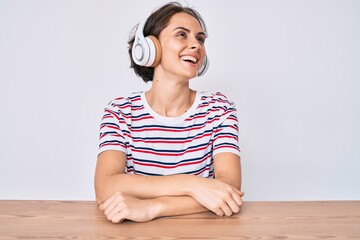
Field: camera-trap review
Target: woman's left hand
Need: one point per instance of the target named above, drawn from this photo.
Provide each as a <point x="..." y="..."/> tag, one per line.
<point x="120" y="206"/>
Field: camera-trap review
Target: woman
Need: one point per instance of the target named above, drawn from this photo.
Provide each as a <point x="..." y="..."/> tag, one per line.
<point x="170" y="150"/>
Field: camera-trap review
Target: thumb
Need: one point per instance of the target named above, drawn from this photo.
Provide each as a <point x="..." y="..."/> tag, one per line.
<point x="101" y="207"/>
<point x="240" y="193"/>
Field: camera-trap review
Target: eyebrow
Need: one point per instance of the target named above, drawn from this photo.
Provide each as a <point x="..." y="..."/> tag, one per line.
<point x="188" y="30"/>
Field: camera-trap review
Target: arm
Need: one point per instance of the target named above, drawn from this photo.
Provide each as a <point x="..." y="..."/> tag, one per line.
<point x="139" y="195"/>
<point x="110" y="178"/>
<point x="228" y="169"/>
<point x="221" y="195"/>
<point x="140" y="198"/>
<point x="121" y="206"/>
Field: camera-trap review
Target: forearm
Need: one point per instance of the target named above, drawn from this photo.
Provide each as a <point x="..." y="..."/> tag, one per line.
<point x="235" y="182"/>
<point x="142" y="187"/>
<point x="179" y="205"/>
<point x="143" y="210"/>
<point x="199" y="195"/>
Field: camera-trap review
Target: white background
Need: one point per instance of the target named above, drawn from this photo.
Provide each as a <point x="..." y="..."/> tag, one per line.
<point x="291" y="67"/>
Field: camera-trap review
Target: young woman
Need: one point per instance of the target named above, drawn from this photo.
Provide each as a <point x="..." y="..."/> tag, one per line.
<point x="170" y="150"/>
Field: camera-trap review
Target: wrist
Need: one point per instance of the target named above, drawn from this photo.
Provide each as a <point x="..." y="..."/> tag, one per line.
<point x="187" y="184"/>
<point x="156" y="207"/>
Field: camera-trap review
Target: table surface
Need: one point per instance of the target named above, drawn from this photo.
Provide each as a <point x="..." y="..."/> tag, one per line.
<point x="256" y="220"/>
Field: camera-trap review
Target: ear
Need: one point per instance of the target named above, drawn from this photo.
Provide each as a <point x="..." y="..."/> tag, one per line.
<point x="158" y="50"/>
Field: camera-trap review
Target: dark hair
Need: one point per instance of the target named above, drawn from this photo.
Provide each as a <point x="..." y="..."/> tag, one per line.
<point x="155" y="23"/>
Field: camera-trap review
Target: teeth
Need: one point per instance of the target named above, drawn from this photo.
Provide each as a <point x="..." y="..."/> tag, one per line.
<point x="189" y="58"/>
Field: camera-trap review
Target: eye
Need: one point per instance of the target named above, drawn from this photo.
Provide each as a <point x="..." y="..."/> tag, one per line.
<point x="181" y="34"/>
<point x="201" y="39"/>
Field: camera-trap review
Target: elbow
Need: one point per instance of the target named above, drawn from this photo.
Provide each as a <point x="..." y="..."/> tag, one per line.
<point x="100" y="191"/>
<point x="106" y="186"/>
<point x="99" y="196"/>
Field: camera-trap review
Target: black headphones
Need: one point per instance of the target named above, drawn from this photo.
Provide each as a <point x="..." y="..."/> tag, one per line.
<point x="146" y="51"/>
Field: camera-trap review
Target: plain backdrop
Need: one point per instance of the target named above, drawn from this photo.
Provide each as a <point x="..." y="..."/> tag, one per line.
<point x="291" y="67"/>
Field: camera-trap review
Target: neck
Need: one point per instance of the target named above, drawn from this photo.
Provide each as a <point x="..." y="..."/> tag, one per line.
<point x="170" y="99"/>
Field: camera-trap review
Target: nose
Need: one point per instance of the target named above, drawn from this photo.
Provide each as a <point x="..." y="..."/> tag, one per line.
<point x="194" y="44"/>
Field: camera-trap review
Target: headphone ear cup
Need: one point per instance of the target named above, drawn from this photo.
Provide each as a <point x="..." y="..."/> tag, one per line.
<point x="141" y="51"/>
<point x="155" y="53"/>
<point x="204" y="67"/>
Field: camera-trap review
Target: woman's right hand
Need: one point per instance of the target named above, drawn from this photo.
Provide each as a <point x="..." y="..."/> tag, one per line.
<point x="217" y="196"/>
<point x="121" y="206"/>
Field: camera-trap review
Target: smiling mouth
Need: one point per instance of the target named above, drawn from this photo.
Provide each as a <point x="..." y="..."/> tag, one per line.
<point x="189" y="59"/>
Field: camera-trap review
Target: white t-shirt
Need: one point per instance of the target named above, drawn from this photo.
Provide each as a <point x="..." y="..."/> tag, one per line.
<point x="158" y="145"/>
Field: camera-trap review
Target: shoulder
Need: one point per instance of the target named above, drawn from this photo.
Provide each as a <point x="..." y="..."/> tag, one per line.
<point x="216" y="100"/>
<point x="122" y="102"/>
<point x="123" y="105"/>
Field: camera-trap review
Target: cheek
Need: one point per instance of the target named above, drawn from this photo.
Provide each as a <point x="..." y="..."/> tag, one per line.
<point x="171" y="51"/>
<point x="174" y="46"/>
<point x="203" y="51"/>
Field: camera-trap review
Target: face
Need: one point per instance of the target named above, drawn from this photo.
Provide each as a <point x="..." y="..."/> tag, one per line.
<point x="183" y="48"/>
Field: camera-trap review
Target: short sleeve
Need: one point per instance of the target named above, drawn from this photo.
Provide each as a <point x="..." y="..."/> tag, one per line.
<point x="111" y="136"/>
<point x="226" y="137"/>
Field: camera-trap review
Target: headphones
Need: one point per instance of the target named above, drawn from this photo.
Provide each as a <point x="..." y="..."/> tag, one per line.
<point x="146" y="51"/>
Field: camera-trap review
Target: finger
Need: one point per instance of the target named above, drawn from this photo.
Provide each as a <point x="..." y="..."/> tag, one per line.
<point x="117" y="209"/>
<point x="237" y="199"/>
<point x="226" y="209"/>
<point x="109" y="200"/>
<point x="118" y="218"/>
<point x="239" y="192"/>
<point x="101" y="207"/>
<point x="234" y="206"/>
<point x="218" y="212"/>
<point x="112" y="205"/>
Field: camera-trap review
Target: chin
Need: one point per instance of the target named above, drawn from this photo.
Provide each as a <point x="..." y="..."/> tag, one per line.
<point x="186" y="74"/>
<point x="190" y="75"/>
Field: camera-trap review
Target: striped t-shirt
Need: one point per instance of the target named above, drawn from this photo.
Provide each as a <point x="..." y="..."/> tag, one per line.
<point x="158" y="145"/>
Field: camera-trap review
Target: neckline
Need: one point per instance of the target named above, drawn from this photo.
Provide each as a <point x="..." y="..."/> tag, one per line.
<point x="173" y="120"/>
